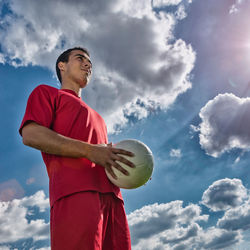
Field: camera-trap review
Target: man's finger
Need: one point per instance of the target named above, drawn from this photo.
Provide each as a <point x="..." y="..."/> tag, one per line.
<point x="125" y="161"/>
<point x="111" y="172"/>
<point x="122" y="152"/>
<point x="119" y="167"/>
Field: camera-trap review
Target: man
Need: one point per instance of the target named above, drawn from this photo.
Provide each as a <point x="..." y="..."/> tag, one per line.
<point x="87" y="210"/>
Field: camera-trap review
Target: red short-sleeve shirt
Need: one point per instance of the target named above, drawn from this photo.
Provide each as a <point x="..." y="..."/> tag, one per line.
<point x="67" y="114"/>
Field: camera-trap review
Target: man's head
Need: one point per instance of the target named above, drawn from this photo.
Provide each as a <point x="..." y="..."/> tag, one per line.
<point x="77" y="57"/>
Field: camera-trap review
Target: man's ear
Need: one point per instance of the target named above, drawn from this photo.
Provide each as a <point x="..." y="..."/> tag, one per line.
<point x="61" y="66"/>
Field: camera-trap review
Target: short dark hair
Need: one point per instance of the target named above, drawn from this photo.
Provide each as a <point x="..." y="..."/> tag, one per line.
<point x="64" y="57"/>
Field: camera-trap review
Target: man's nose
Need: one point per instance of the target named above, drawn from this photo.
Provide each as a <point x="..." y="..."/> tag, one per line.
<point x="87" y="64"/>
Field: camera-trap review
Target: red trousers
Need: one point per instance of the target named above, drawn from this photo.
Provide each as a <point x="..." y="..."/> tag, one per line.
<point x="89" y="221"/>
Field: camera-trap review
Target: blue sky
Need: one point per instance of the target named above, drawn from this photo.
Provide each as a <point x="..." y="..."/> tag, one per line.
<point x="173" y="74"/>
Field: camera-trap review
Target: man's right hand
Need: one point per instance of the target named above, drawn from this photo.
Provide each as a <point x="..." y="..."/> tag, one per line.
<point x="107" y="156"/>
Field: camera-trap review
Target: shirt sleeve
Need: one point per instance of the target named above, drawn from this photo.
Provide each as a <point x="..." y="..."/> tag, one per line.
<point x="40" y="107"/>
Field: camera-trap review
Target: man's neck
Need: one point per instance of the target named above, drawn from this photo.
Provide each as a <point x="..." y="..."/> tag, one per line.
<point x="74" y="87"/>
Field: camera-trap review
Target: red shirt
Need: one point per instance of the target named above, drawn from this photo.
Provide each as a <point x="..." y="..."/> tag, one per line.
<point x="67" y="114"/>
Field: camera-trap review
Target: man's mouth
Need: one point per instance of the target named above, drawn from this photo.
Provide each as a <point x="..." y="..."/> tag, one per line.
<point x="87" y="71"/>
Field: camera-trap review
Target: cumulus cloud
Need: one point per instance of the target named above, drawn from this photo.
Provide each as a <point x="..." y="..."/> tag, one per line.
<point x="236" y="218"/>
<point x="174" y="226"/>
<point x="158" y="226"/>
<point x="181" y="13"/>
<point x="164" y="223"/>
<point x="211" y="238"/>
<point x="171" y="226"/>
<point x="221" y="132"/>
<point x="138" y="64"/>
<point x="180" y="5"/>
<point x="224" y="194"/>
<point x="215" y="238"/>
<point x="14" y="224"/>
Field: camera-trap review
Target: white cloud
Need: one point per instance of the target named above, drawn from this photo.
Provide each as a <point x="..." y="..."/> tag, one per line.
<point x="2" y="59"/>
<point x="181" y="13"/>
<point x="168" y="226"/>
<point x="216" y="238"/>
<point x="5" y="248"/>
<point x="134" y="52"/>
<point x="236" y="6"/>
<point x="224" y="194"/>
<point x="236" y="218"/>
<point x="14" y="224"/>
<point x="157" y="226"/>
<point x="164" y="3"/>
<point x="221" y="132"/>
<point x="175" y="153"/>
<point x="38" y="199"/>
<point x="161" y="224"/>
<point x="173" y="226"/>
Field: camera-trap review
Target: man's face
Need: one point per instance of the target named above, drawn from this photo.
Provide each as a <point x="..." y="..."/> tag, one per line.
<point x="78" y="68"/>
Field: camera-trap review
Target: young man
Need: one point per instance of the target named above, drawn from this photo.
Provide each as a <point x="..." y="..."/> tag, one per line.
<point x="87" y="210"/>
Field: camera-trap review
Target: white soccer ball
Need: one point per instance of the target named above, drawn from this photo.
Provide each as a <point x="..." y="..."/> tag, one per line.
<point x="143" y="161"/>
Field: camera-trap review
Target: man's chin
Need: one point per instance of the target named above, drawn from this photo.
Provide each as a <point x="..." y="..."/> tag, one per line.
<point x="83" y="84"/>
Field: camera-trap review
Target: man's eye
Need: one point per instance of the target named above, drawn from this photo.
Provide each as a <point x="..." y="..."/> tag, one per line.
<point x="80" y="58"/>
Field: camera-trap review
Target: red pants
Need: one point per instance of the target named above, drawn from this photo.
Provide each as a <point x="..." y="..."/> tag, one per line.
<point x="89" y="221"/>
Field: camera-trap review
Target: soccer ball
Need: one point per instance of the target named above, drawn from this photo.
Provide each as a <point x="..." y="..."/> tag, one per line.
<point x="143" y="161"/>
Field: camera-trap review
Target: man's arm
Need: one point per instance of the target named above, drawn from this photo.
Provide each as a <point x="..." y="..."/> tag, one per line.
<point x="50" y="142"/>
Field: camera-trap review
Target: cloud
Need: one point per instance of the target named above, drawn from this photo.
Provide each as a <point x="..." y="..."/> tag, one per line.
<point x="5" y="248"/>
<point x="236" y="218"/>
<point x="164" y="3"/>
<point x="236" y="6"/>
<point x="174" y="226"/>
<point x="175" y="153"/>
<point x="158" y="226"/>
<point x="10" y="190"/>
<point x="220" y="132"/>
<point x="2" y="60"/>
<point x="159" y="220"/>
<point x="180" y="7"/>
<point x="138" y="64"/>
<point x="30" y="180"/>
<point x="181" y="13"/>
<point x="180" y="234"/>
<point x="38" y="199"/>
<point x="224" y="194"/>
<point x="215" y="238"/>
<point x="168" y="226"/>
<point x="212" y="238"/>
<point x="14" y="224"/>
